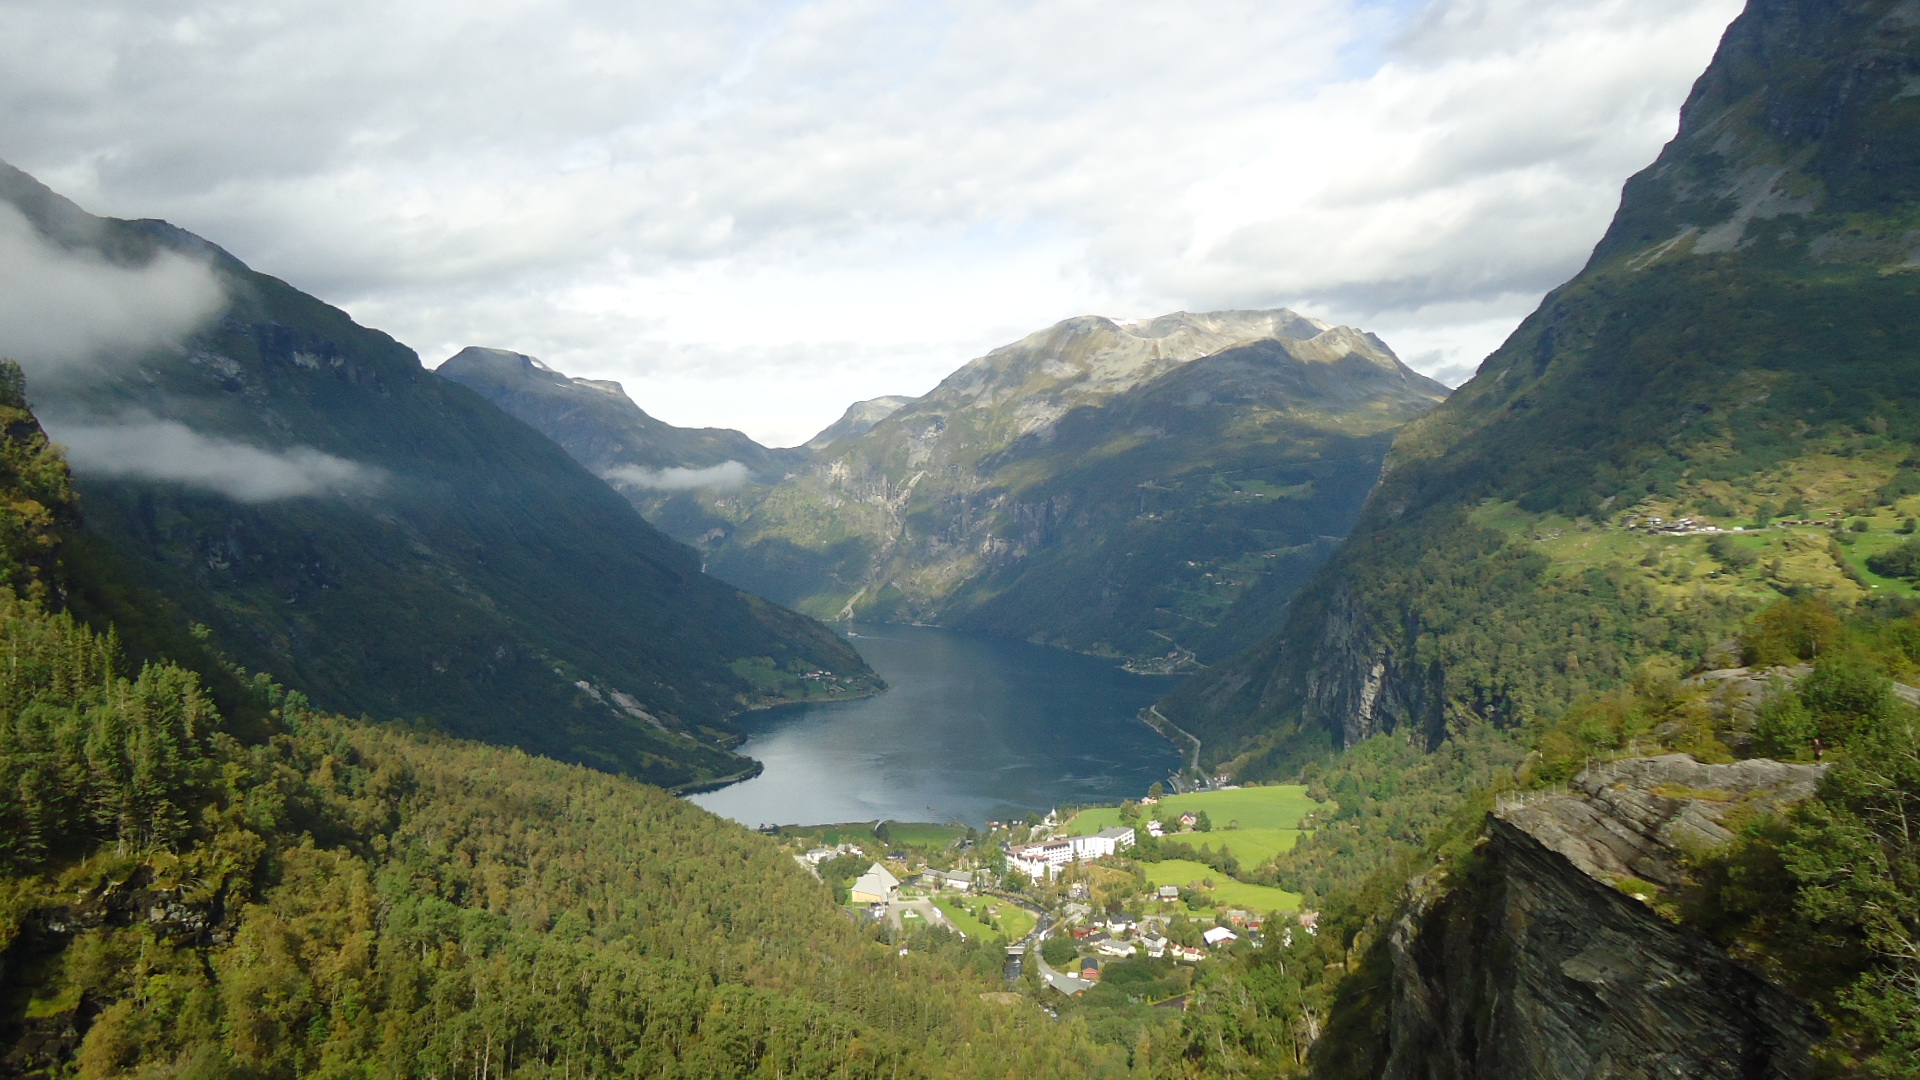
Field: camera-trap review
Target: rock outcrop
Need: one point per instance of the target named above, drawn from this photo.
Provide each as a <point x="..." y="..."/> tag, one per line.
<point x="1545" y="957"/>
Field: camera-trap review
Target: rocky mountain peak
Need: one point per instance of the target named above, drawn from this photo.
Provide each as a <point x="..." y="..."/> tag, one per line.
<point x="593" y="419"/>
<point x="1801" y="132"/>
<point x="1029" y="384"/>
<point x="859" y="419"/>
<point x="522" y="372"/>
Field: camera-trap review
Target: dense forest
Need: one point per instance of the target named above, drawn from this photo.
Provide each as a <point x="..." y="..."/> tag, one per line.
<point x="271" y="891"/>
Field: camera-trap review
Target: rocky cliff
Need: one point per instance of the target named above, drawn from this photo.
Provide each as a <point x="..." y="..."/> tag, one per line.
<point x="1549" y="956"/>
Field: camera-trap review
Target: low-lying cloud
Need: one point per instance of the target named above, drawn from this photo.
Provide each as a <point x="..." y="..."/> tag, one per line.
<point x="61" y="309"/>
<point x="722" y="477"/>
<point x="170" y="451"/>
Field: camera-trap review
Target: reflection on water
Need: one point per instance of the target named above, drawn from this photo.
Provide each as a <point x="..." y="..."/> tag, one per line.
<point x="974" y="727"/>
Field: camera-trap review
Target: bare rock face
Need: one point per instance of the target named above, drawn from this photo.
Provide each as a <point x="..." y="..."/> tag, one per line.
<point x="1539" y="961"/>
<point x="1639" y="817"/>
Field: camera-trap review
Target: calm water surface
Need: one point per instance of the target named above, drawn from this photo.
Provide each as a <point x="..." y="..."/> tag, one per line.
<point x="974" y="727"/>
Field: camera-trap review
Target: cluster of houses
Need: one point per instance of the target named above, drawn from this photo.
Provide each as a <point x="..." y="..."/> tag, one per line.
<point x="1043" y="860"/>
<point x="1156" y="829"/>
<point x="818" y="855"/>
<point x="1685" y="526"/>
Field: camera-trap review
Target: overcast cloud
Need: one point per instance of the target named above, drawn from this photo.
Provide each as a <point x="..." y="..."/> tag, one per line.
<point x="754" y="212"/>
<point x="164" y="450"/>
<point x="62" y="311"/>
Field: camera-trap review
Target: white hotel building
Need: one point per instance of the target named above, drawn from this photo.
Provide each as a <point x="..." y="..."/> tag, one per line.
<point x="1046" y="858"/>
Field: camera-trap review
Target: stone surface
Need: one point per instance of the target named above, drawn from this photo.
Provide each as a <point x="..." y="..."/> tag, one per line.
<point x="1533" y="964"/>
<point x="1639" y="817"/>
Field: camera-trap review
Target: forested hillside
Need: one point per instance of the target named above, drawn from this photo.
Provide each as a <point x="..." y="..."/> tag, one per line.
<point x="277" y="892"/>
<point x="1722" y="409"/>
<point x="392" y="545"/>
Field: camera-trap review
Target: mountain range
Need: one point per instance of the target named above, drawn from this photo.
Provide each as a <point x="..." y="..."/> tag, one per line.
<point x="1152" y="490"/>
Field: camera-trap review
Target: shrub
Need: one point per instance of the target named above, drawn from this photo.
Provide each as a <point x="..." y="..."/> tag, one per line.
<point x="1843" y="693"/>
<point x="1730" y="554"/>
<point x="1789" y="632"/>
<point x="1897" y="562"/>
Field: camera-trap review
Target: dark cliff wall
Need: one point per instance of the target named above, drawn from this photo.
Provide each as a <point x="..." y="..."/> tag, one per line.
<point x="1540" y="956"/>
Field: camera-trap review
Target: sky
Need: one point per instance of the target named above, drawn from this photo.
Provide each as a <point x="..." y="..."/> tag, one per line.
<point x="754" y="212"/>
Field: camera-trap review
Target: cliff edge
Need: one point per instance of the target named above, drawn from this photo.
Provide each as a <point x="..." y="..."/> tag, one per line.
<point x="1545" y="955"/>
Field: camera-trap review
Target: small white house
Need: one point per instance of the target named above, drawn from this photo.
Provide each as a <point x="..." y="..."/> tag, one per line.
<point x="876" y="886"/>
<point x="1218" y="936"/>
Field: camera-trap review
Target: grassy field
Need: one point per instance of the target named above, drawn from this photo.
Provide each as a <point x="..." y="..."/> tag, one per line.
<point x="1280" y="806"/>
<point x="1253" y="847"/>
<point x="1226" y="892"/>
<point x="1015" y="922"/>
<point x="923" y="834"/>
<point x="855" y="832"/>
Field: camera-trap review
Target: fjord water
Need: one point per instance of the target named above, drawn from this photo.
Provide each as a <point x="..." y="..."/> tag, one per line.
<point x="973" y="727"/>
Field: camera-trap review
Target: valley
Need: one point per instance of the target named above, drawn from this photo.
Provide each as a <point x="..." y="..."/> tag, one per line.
<point x="1209" y="695"/>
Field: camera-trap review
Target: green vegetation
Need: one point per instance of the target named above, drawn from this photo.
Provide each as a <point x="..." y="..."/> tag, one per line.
<point x="1823" y="896"/>
<point x="469" y="574"/>
<point x="987" y="918"/>
<point x="925" y="836"/>
<point x="1223" y="892"/>
<point x="1270" y="806"/>
<point x="184" y="893"/>
<point x="1121" y="1010"/>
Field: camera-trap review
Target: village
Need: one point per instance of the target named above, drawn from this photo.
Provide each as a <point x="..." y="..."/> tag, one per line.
<point x="1144" y="891"/>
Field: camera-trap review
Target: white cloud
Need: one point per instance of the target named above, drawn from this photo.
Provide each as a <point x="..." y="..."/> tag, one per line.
<point x="817" y="185"/>
<point x="61" y="310"/>
<point x="722" y="477"/>
<point x="169" y="451"/>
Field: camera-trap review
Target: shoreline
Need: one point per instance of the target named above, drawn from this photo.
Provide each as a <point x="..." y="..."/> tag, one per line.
<point x="1189" y="756"/>
<point x="700" y="787"/>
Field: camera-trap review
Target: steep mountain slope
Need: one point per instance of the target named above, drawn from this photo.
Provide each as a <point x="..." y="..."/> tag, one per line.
<point x="596" y="422"/>
<point x="660" y="468"/>
<point x="1148" y="490"/>
<point x="859" y="419"/>
<point x="391" y="544"/>
<point x="1736" y="353"/>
